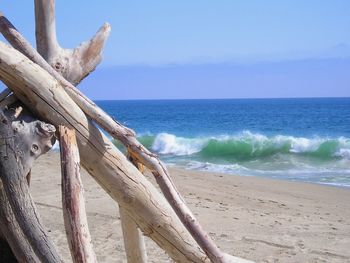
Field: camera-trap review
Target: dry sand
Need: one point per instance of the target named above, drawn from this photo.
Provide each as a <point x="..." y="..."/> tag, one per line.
<point x="259" y="219"/>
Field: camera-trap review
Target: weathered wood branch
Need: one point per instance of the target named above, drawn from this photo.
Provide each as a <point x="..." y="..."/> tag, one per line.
<point x="8" y="223"/>
<point x="150" y="160"/>
<point x="42" y="94"/>
<point x="45" y="29"/>
<point x="16" y="188"/>
<point x="75" y="220"/>
<point x="73" y="64"/>
<point x="134" y="242"/>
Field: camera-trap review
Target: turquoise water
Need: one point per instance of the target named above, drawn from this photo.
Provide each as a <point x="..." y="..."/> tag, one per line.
<point x="295" y="139"/>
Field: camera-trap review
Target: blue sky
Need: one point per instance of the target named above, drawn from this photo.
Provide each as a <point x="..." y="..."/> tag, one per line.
<point x="174" y="40"/>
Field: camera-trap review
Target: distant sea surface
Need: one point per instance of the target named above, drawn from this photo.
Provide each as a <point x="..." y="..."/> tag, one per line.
<point x="296" y="139"/>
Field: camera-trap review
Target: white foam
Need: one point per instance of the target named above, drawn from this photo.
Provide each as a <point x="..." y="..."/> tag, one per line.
<point x="166" y="143"/>
<point x="219" y="168"/>
<point x="303" y="145"/>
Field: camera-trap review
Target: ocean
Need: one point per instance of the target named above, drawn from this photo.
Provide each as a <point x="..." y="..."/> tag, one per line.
<point x="294" y="139"/>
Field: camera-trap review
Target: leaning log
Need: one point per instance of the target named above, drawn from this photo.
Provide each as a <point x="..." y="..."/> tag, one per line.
<point x="78" y="234"/>
<point x="134" y="242"/>
<point x="122" y="181"/>
<point x="16" y="188"/>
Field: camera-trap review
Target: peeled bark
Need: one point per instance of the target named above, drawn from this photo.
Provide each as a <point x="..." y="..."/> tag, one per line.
<point x="122" y="181"/>
<point x="16" y="188"/>
<point x="75" y="220"/>
<point x="72" y="64"/>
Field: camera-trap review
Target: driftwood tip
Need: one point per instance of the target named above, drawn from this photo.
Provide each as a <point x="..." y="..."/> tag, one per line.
<point x="106" y="26"/>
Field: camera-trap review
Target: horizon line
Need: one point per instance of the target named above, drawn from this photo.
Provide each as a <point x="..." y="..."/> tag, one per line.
<point x="241" y="98"/>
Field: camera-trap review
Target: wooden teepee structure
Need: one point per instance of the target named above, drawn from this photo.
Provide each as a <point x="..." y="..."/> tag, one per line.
<point x="41" y="104"/>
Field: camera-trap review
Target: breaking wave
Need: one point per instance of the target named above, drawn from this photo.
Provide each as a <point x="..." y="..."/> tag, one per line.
<point x="247" y="146"/>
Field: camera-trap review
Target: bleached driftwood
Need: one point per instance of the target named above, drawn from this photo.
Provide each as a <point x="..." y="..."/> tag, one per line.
<point x="73" y="64"/>
<point x="20" y="43"/>
<point x="118" y="131"/>
<point x="64" y="61"/>
<point x="20" y="222"/>
<point x="14" y="37"/>
<point x="127" y="137"/>
<point x="134" y="242"/>
<point x="78" y="234"/>
<point x="122" y="181"/>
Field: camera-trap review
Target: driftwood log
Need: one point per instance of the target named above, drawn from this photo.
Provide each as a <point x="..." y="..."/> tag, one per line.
<point x="21" y="44"/>
<point x="134" y="241"/>
<point x="122" y="181"/>
<point x="127" y="137"/>
<point x="45" y="87"/>
<point x="78" y="234"/>
<point x="22" y="141"/>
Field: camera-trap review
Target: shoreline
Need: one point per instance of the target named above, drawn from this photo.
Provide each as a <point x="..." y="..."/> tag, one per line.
<point x="258" y="177"/>
<point x="262" y="219"/>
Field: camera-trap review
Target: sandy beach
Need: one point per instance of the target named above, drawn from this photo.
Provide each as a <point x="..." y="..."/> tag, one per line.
<point x="255" y="218"/>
